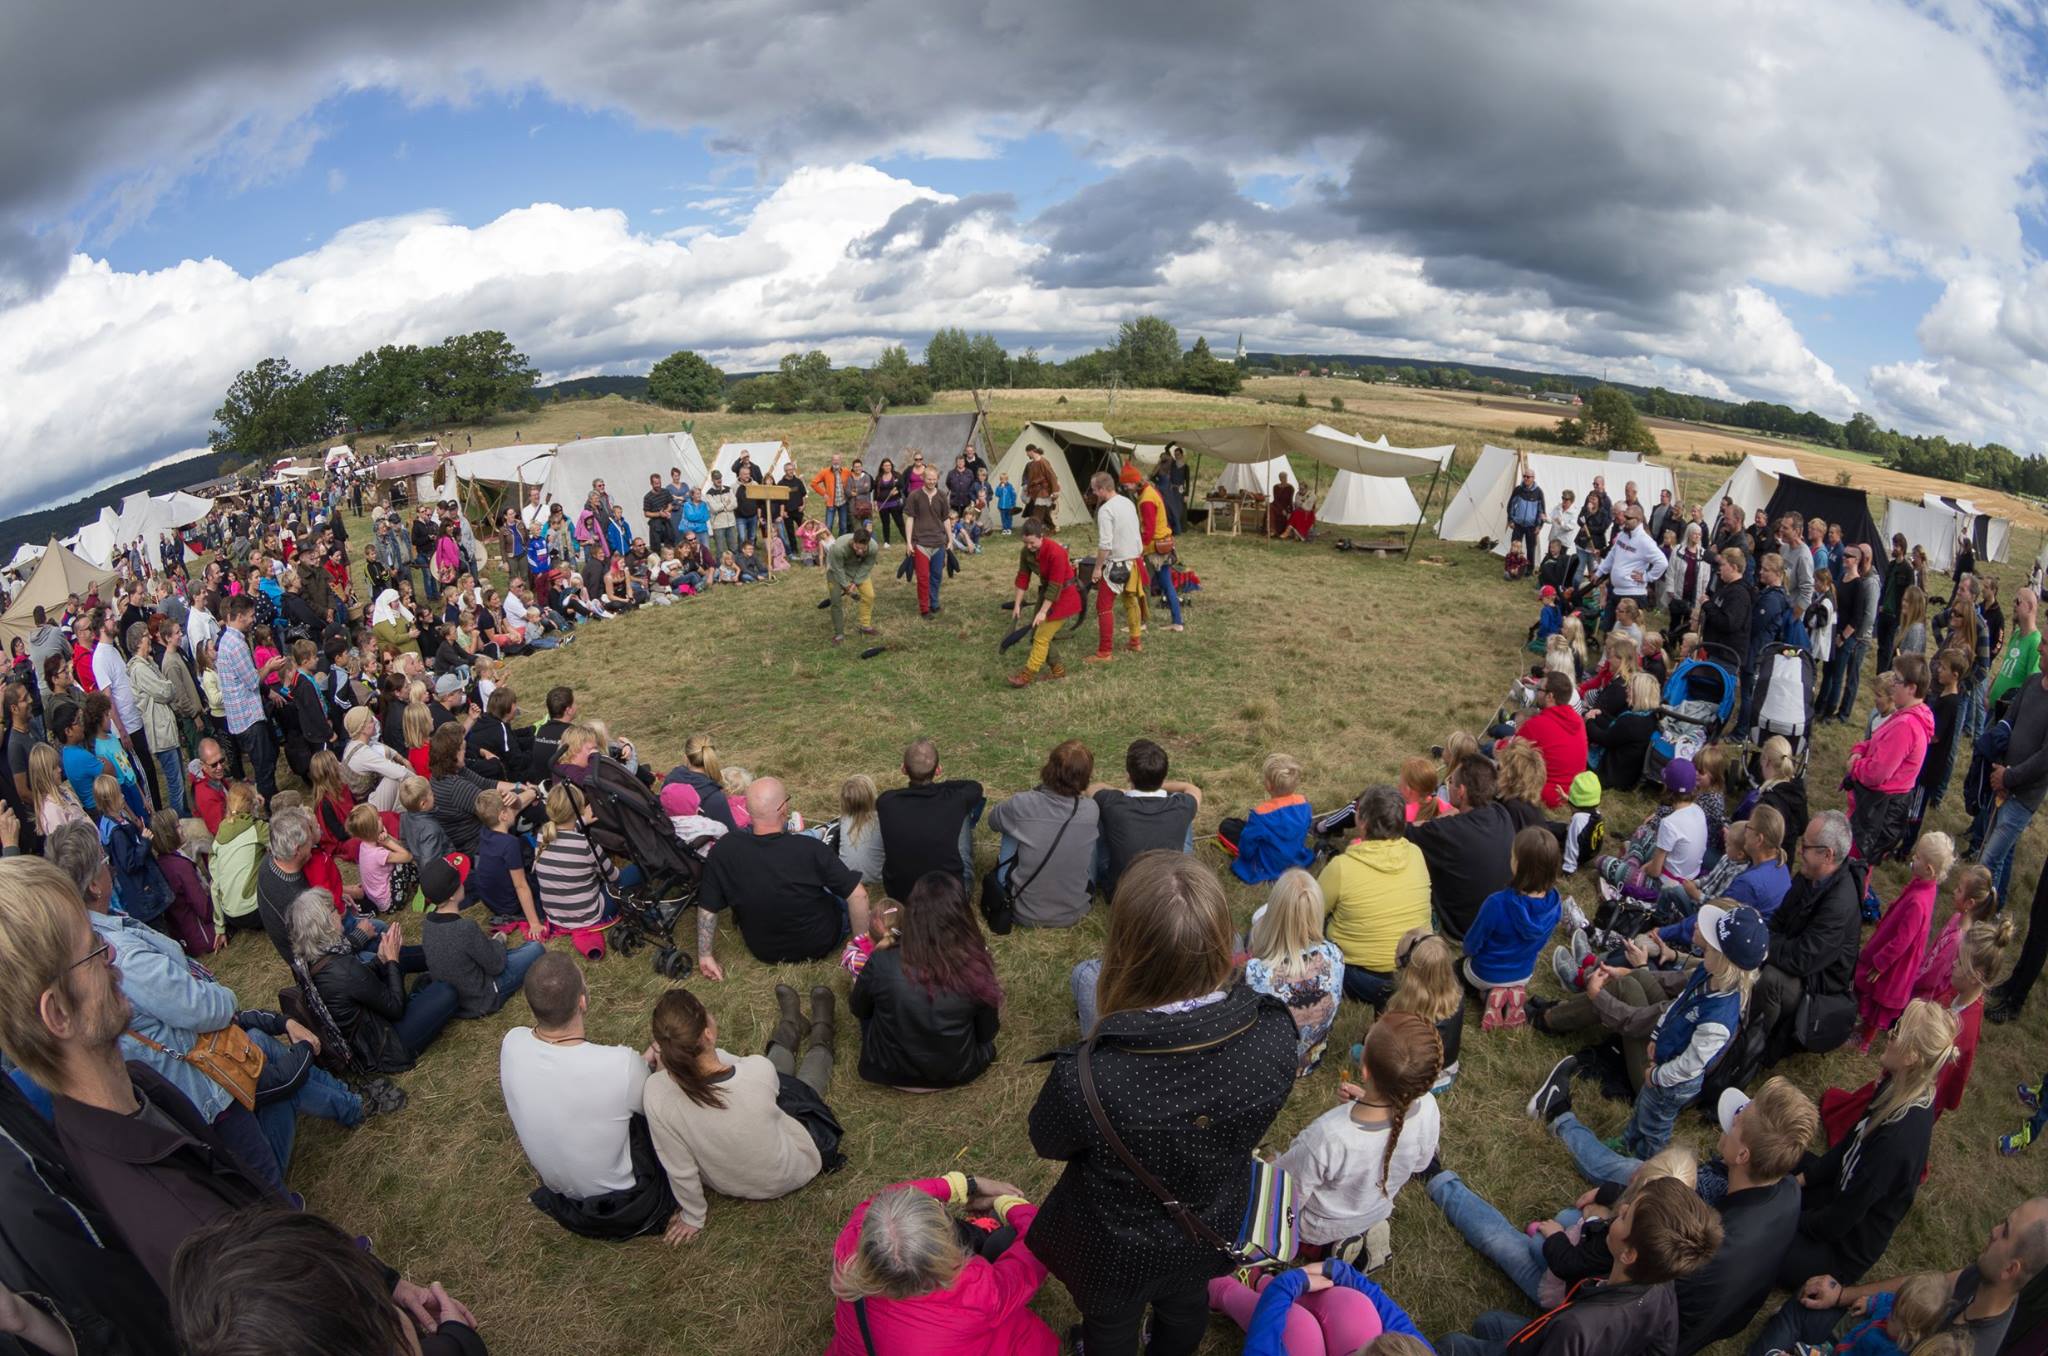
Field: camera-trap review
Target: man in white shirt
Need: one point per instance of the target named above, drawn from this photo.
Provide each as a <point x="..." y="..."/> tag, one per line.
<point x="200" y="623"/>
<point x="1632" y="564"/>
<point x="110" y="674"/>
<point x="534" y="517"/>
<point x="576" y="1108"/>
<point x="1118" y="543"/>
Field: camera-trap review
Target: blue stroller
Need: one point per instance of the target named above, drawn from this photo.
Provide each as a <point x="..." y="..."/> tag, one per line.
<point x="1699" y="698"/>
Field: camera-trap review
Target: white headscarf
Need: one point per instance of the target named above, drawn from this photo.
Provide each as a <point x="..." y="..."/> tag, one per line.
<point x="387" y="608"/>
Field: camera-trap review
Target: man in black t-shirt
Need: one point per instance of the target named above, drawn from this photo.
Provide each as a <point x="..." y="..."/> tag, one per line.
<point x="927" y="825"/>
<point x="1152" y="814"/>
<point x="790" y="895"/>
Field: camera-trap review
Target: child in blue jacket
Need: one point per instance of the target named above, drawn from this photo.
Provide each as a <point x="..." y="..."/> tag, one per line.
<point x="1504" y="941"/>
<point x="1548" y="622"/>
<point x="1699" y="1025"/>
<point x="1006" y="501"/>
<point x="1274" y="835"/>
<point x="141" y="890"/>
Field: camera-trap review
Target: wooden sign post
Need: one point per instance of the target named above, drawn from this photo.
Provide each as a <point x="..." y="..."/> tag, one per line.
<point x="766" y="496"/>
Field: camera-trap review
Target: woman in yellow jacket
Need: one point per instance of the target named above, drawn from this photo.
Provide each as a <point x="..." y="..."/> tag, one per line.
<point x="1373" y="893"/>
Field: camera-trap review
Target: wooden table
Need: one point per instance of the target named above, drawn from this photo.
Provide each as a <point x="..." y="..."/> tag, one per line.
<point x="1237" y="505"/>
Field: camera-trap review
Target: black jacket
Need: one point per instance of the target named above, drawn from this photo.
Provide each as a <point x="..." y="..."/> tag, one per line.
<point x="1788" y="798"/>
<point x="1597" y="1319"/>
<point x="920" y="827"/>
<point x="56" y="1243"/>
<point x="1856" y="1195"/>
<point x="1467" y="856"/>
<point x="1190" y="1094"/>
<point x="1724" y="620"/>
<point x="498" y="751"/>
<point x="910" y="1039"/>
<point x="365" y="998"/>
<point x="1719" y="1299"/>
<point x="1817" y="931"/>
<point x="1627" y="740"/>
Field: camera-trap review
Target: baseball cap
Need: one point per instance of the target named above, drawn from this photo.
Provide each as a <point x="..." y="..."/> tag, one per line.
<point x="1731" y="1104"/>
<point x="1738" y="933"/>
<point x="1584" y="791"/>
<point x="1680" y="776"/>
<point x="441" y="878"/>
<point x="447" y="685"/>
<point x="1547" y="591"/>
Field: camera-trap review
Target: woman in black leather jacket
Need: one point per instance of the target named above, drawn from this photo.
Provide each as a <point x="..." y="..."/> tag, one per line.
<point x="928" y="999"/>
<point x="387" y="1029"/>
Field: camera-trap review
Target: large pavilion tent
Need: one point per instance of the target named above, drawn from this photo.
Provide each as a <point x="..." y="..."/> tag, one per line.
<point x="941" y="437"/>
<point x="623" y="464"/>
<point x="1480" y="508"/>
<point x="1357" y="500"/>
<point x="1075" y="450"/>
<point x="1750" y="485"/>
<point x="513" y="464"/>
<point x="1247" y="444"/>
<point x="60" y="573"/>
<point x="1842" y="506"/>
<point x="770" y="458"/>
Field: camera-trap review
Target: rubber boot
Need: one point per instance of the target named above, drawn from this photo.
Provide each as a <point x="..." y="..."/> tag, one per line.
<point x="792" y="1026"/>
<point x="820" y="1032"/>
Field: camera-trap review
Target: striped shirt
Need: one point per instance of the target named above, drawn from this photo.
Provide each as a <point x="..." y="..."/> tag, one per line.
<point x="566" y="872"/>
<point x="239" y="687"/>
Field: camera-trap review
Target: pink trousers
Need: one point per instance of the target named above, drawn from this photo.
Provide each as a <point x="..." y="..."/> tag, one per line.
<point x="1333" y="1322"/>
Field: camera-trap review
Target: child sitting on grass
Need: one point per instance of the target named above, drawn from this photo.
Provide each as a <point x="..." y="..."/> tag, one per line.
<point x="1507" y="936"/>
<point x="1890" y="962"/>
<point x="1426" y="983"/>
<point x="376" y="853"/>
<point x="481" y="970"/>
<point x="1894" y="1322"/>
<point x="1671" y="845"/>
<point x="1419" y="790"/>
<point x="421" y="833"/>
<point x="1516" y="566"/>
<point x="500" y="870"/>
<point x="1291" y="960"/>
<point x="1585" y="831"/>
<point x="1273" y="835"/>
<point x="1351" y="1161"/>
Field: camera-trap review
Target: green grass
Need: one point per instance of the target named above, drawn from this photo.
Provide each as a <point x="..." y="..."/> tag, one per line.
<point x="1350" y="664"/>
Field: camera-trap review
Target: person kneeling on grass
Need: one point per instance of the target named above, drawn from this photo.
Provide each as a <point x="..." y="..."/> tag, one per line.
<point x="1687" y="1037"/>
<point x="1351" y="1161"/>
<point x="752" y="1127"/>
<point x="576" y="1107"/>
<point x="1664" y="1233"/>
<point x="482" y="970"/>
<point x="1508" y="935"/>
<point x="1322" y="1307"/>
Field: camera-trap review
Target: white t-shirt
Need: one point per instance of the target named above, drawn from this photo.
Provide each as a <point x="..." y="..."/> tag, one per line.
<point x="1335" y="1163"/>
<point x="1116" y="529"/>
<point x="1683" y="837"/>
<point x="571" y="1105"/>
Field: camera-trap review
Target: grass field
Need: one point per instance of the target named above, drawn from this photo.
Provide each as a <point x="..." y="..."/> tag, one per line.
<point x="1350" y="664"/>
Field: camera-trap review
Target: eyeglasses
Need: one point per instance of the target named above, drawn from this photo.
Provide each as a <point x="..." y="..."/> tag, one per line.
<point x="89" y="957"/>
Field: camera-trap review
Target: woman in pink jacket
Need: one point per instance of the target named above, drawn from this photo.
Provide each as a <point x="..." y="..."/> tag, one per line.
<point x="1884" y="767"/>
<point x="1891" y="958"/>
<point x="906" y="1281"/>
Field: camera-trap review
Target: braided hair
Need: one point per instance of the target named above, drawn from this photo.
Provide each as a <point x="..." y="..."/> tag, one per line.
<point x="1404" y="1053"/>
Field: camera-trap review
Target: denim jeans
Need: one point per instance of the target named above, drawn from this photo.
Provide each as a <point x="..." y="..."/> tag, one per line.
<point x="1794" y="1323"/>
<point x="1596" y="1162"/>
<point x="1649" y="1127"/>
<point x="1517" y="1254"/>
<point x="1851" y="655"/>
<point x="1490" y="1334"/>
<point x="518" y="960"/>
<point x="426" y="1012"/>
<point x="322" y="1095"/>
<point x="1367" y="986"/>
<point x="170" y="764"/>
<point x="1162" y="579"/>
<point x="2007" y="825"/>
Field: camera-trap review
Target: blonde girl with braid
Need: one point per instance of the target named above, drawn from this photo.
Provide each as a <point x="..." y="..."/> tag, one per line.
<point x="1351" y="1161"/>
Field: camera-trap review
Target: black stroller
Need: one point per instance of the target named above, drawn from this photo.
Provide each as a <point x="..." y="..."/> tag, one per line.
<point x="630" y="823"/>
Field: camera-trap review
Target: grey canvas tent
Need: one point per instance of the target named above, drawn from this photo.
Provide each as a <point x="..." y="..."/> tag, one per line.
<point x="939" y="436"/>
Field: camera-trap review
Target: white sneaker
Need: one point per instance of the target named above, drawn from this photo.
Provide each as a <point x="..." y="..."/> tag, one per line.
<point x="1574" y="914"/>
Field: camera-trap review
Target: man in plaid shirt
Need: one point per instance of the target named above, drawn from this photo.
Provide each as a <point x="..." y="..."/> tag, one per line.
<point x="241" y="690"/>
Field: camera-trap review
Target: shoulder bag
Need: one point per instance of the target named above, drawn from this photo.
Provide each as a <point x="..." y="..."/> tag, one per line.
<point x="1266" y="1238"/>
<point x="999" y="899"/>
<point x="227" y="1056"/>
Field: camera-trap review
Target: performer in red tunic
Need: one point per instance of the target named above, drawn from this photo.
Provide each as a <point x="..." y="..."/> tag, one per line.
<point x="1059" y="598"/>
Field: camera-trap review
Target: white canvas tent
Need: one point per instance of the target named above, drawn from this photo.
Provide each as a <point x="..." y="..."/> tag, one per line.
<point x="770" y="458"/>
<point x="624" y="465"/>
<point x="1992" y="536"/>
<point x="341" y="452"/>
<point x="1073" y="449"/>
<point x="1939" y="524"/>
<point x="514" y="464"/>
<point x="1480" y="508"/>
<point x="59" y="574"/>
<point x="25" y="557"/>
<point x="1256" y="477"/>
<point x="1365" y="501"/>
<point x="1751" y="486"/>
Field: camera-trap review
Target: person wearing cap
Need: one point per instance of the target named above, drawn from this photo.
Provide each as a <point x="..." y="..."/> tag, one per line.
<point x="1688" y="1037"/>
<point x="1548" y="622"/>
<point x="483" y="972"/>
<point x="1677" y="852"/>
<point x="1585" y="830"/>
<point x="450" y="700"/>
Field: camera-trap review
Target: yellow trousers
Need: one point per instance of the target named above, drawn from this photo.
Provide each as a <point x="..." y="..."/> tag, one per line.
<point x="865" y="591"/>
<point x="1041" y="643"/>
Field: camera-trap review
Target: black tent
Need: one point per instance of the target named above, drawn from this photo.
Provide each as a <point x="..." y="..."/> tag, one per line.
<point x="1842" y="506"/>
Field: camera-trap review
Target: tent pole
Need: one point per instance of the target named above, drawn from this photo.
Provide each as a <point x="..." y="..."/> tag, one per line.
<point x="1428" y="495"/>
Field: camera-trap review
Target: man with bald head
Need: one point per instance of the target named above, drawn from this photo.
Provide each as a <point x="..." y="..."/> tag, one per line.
<point x="929" y="824"/>
<point x="790" y="895"/>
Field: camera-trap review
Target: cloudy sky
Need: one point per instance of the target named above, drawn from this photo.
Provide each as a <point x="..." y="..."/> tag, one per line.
<point x="1835" y="204"/>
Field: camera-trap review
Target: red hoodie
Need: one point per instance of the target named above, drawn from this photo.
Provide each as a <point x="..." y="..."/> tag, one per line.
<point x="1559" y="734"/>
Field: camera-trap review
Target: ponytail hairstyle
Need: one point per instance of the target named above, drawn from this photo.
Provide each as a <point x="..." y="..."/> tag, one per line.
<point x="1778" y="764"/>
<point x="1418" y="787"/>
<point x="1976" y="894"/>
<point x="106" y="796"/>
<point x="1927" y="1034"/>
<point x="699" y="754"/>
<point x="680" y="1021"/>
<point x="1983" y="949"/>
<point x="565" y="807"/>
<point x="1403" y="1056"/>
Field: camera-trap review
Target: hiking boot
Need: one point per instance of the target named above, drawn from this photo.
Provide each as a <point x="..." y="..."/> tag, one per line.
<point x="792" y="1026"/>
<point x="380" y="1097"/>
<point x="820" y="1033"/>
<point x="1554" y="1097"/>
<point x="1022" y="679"/>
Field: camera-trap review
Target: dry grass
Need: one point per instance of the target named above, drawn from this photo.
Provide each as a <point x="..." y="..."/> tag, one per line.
<point x="1349" y="664"/>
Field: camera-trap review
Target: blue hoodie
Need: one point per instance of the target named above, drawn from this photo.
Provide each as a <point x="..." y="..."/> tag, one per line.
<point x="1275" y="837"/>
<point x="1508" y="935"/>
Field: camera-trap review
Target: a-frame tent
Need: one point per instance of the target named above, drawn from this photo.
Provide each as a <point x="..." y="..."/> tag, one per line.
<point x="1480" y="508"/>
<point x="1075" y="451"/>
<point x="1750" y="485"/>
<point x="1356" y="500"/>
<point x="624" y="465"/>
<point x="59" y="574"/>
<point x="941" y="437"/>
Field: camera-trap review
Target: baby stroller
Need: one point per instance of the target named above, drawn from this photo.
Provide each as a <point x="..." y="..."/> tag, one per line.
<point x="1784" y="700"/>
<point x="630" y="823"/>
<point x="1699" y="697"/>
